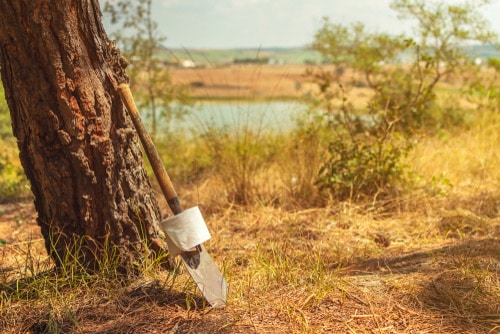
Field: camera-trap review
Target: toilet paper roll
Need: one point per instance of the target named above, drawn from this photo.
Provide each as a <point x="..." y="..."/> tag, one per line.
<point x="185" y="231"/>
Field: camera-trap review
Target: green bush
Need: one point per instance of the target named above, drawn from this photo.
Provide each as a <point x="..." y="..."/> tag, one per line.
<point x="403" y="102"/>
<point x="484" y="90"/>
<point x="365" y="155"/>
<point x="360" y="169"/>
<point x="494" y="63"/>
<point x="5" y="127"/>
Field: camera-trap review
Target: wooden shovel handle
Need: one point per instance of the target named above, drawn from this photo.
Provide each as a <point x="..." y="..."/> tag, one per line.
<point x="154" y="158"/>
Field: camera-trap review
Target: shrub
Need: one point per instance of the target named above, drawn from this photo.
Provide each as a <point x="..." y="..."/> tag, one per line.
<point x="494" y="63"/>
<point x="5" y="128"/>
<point x="13" y="182"/>
<point x="365" y="154"/>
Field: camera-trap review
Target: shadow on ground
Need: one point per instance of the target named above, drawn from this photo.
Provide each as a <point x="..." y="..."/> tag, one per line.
<point x="144" y="307"/>
<point x="458" y="283"/>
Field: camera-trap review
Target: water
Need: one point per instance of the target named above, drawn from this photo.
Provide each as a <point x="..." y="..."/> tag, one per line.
<point x="267" y="116"/>
<point x="276" y="116"/>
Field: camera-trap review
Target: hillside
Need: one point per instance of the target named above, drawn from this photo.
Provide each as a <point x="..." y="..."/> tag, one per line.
<point x="299" y="55"/>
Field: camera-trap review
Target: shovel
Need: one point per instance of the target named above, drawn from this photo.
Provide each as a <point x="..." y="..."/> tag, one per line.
<point x="186" y="230"/>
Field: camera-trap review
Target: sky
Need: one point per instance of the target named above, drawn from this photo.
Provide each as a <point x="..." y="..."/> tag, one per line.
<point x="225" y="24"/>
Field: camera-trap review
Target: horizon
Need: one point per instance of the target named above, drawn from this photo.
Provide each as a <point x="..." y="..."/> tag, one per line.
<point x="278" y="48"/>
<point x="260" y="24"/>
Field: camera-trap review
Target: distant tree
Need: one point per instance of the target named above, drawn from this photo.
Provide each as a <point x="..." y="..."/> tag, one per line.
<point x="356" y="48"/>
<point x="443" y="30"/>
<point x="77" y="144"/>
<point x="364" y="151"/>
<point x="141" y="41"/>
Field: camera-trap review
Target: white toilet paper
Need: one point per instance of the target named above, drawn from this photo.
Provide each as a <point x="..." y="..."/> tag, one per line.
<point x="185" y="231"/>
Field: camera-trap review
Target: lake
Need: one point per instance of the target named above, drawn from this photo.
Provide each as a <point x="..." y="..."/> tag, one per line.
<point x="276" y="116"/>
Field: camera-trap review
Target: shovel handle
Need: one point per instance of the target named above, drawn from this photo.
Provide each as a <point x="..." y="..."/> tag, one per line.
<point x="154" y="158"/>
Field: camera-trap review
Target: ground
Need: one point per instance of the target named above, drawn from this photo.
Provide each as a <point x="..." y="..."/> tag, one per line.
<point x="327" y="270"/>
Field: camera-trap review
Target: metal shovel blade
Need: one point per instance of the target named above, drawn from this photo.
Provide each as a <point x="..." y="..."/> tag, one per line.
<point x="207" y="276"/>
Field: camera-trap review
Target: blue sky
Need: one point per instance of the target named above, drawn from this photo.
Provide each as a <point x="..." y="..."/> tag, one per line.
<point x="271" y="23"/>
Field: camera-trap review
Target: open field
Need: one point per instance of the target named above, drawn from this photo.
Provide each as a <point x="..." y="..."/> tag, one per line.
<point x="260" y="82"/>
<point x="244" y="81"/>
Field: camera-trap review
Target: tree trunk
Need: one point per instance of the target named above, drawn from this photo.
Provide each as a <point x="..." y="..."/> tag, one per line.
<point x="76" y="141"/>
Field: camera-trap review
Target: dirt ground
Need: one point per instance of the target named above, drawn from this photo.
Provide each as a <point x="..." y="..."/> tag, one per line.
<point x="435" y="287"/>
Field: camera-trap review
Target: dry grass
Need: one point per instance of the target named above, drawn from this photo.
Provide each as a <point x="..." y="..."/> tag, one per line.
<point x="338" y="269"/>
<point x="420" y="264"/>
<point x="425" y="262"/>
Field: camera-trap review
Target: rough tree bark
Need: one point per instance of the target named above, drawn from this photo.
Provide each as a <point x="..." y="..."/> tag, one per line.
<point x="76" y="142"/>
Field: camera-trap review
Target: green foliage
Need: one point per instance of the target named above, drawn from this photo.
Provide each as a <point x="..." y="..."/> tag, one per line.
<point x="447" y="24"/>
<point x="365" y="153"/>
<point x="13" y="182"/>
<point x="494" y="63"/>
<point x="399" y="93"/>
<point x="355" y="48"/>
<point x="356" y="170"/>
<point x="443" y="30"/>
<point x="401" y="96"/>
<point x="357" y="165"/>
<point x="366" y="147"/>
<point x="483" y="86"/>
<point x="438" y="49"/>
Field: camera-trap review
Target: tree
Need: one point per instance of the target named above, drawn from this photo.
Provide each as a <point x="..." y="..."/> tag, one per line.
<point x="366" y="146"/>
<point x="442" y="32"/>
<point x="356" y="48"/>
<point x="140" y="39"/>
<point x="365" y="150"/>
<point x="76" y="141"/>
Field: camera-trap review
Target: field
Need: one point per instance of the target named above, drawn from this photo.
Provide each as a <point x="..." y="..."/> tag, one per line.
<point x="427" y="261"/>
<point x="244" y="81"/>
<point x="258" y="82"/>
